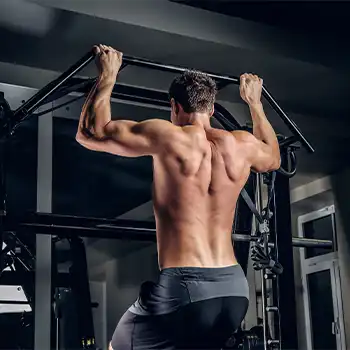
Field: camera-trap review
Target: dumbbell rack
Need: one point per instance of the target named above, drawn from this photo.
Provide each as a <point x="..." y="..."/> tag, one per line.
<point x="267" y="237"/>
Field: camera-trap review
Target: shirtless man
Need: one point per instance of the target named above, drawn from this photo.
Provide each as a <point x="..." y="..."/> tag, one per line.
<point x="201" y="296"/>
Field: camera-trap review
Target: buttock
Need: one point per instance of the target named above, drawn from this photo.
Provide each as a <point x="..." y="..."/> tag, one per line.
<point x="178" y="287"/>
<point x="188" y="308"/>
<point x="206" y="324"/>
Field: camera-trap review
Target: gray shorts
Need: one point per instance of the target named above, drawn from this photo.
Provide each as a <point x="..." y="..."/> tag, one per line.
<point x="188" y="308"/>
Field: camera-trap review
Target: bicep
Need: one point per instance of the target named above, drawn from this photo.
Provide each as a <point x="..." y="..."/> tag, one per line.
<point x="131" y="139"/>
<point x="258" y="154"/>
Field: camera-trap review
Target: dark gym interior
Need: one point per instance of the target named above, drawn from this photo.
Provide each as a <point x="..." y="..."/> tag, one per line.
<point x="63" y="203"/>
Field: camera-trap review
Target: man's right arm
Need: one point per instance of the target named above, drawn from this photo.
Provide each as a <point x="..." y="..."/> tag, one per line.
<point x="261" y="148"/>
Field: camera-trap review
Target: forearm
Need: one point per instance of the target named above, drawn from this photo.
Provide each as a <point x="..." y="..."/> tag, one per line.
<point x="263" y="130"/>
<point x="96" y="112"/>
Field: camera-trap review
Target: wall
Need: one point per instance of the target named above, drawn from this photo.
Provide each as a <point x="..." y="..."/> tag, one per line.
<point x="311" y="197"/>
<point x="123" y="279"/>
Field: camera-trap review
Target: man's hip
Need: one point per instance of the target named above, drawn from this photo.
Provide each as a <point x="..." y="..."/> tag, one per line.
<point x="181" y="286"/>
<point x="188" y="307"/>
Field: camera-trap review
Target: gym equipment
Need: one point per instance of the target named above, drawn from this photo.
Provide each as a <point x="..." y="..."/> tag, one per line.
<point x="73" y="227"/>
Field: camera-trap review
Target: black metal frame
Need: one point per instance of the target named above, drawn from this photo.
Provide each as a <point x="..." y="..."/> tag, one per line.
<point x="66" y="226"/>
<point x="281" y="224"/>
<point x="90" y="227"/>
<point x="41" y="97"/>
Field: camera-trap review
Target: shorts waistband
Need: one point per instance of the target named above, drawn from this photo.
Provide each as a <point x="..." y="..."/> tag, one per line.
<point x="204" y="273"/>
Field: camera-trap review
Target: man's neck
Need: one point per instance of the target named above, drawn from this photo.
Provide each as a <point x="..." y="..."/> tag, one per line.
<point x="200" y="119"/>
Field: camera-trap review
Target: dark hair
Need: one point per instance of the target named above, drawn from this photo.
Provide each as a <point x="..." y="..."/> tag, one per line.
<point x="194" y="91"/>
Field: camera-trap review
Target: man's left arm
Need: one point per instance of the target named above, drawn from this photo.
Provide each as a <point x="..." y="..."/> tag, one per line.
<point x="97" y="131"/>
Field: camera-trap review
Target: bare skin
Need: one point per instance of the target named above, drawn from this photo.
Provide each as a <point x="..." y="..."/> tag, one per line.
<point x="198" y="171"/>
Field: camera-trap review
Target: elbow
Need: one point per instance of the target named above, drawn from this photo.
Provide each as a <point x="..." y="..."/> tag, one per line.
<point x="79" y="137"/>
<point x="275" y="161"/>
<point x="82" y="139"/>
<point x="276" y="164"/>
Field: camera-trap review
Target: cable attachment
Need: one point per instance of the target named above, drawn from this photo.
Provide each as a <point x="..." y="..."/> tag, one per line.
<point x="264" y="227"/>
<point x="262" y="260"/>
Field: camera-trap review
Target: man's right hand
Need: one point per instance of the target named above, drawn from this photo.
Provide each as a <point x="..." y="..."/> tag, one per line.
<point x="108" y="61"/>
<point x="250" y="88"/>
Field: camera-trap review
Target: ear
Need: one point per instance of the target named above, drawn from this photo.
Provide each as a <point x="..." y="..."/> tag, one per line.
<point x="212" y="111"/>
<point x="175" y="107"/>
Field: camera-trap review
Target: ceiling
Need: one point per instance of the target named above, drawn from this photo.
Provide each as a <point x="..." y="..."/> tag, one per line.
<point x="297" y="48"/>
<point x="318" y="17"/>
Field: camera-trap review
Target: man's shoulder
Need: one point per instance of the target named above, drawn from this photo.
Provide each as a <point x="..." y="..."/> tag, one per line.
<point x="243" y="136"/>
<point x="158" y="128"/>
<point x="169" y="136"/>
<point x="220" y="137"/>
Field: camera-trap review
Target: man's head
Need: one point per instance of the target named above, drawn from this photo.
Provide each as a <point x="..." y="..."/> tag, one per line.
<point x="191" y="93"/>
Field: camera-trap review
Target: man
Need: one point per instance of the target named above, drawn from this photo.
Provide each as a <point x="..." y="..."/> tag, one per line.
<point x="202" y="294"/>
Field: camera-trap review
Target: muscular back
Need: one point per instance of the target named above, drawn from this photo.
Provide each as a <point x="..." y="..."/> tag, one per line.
<point x="198" y="172"/>
<point x="196" y="185"/>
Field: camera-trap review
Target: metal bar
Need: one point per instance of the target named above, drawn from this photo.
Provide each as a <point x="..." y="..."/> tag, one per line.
<point x="81" y="289"/>
<point x="14" y="302"/>
<point x="289" y="123"/>
<point x="136" y="233"/>
<point x="229" y="79"/>
<point x="50" y="110"/>
<point x="4" y="111"/>
<point x="80" y="221"/>
<point x="28" y="107"/>
<point x="243" y="222"/>
<point x="72" y="85"/>
<point x="43" y="261"/>
<point x="275" y="256"/>
<point x="265" y="236"/>
<point x="2" y="203"/>
<point x="127" y="233"/>
<point x="225" y="117"/>
<point x="311" y="243"/>
<point x="140" y="99"/>
<point x="288" y="141"/>
<point x="286" y="284"/>
<point x="138" y="62"/>
<point x="153" y="98"/>
<point x="15" y="278"/>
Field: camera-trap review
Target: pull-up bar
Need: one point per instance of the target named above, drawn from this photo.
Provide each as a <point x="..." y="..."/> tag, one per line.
<point x="39" y="98"/>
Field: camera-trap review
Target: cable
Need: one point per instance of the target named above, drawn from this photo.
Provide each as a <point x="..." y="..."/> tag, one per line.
<point x="293" y="160"/>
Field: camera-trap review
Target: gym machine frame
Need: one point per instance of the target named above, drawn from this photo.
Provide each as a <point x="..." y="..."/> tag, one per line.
<point x="89" y="227"/>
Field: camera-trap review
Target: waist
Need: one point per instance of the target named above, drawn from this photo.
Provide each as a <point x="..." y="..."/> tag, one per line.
<point x="213" y="274"/>
<point x="194" y="249"/>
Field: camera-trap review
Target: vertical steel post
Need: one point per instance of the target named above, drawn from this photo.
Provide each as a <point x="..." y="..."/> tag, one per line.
<point x="2" y="201"/>
<point x="43" y="302"/>
<point x="264" y="297"/>
<point x="286" y="286"/>
<point x="275" y="256"/>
